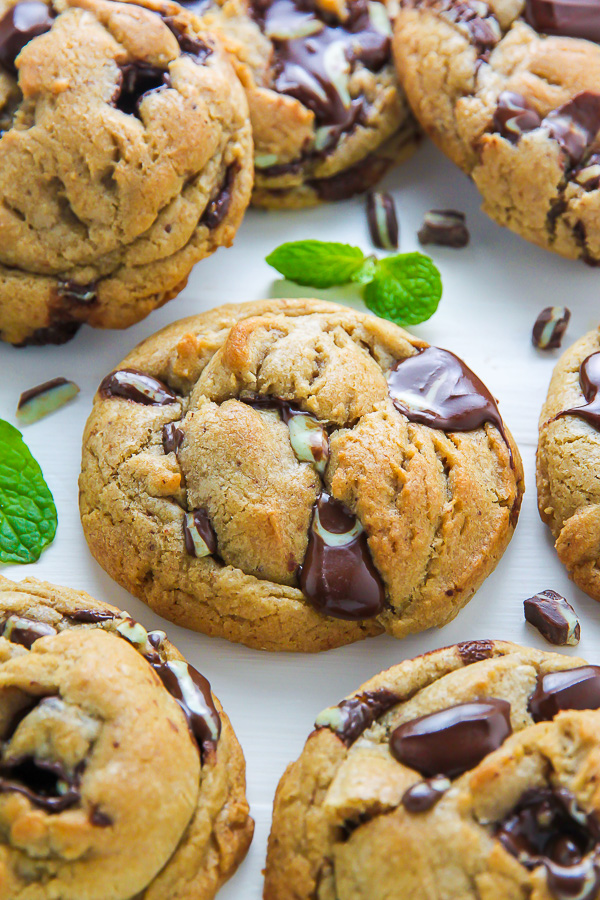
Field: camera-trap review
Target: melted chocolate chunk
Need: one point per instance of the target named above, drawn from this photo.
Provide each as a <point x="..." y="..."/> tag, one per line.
<point x="453" y="740"/>
<point x="589" y="379"/>
<point x="20" y="630"/>
<point x="218" y="207"/>
<point x="423" y="795"/>
<point x="192" y="692"/>
<point x="189" y="44"/>
<point x="570" y="689"/>
<point x="475" y="20"/>
<point x="92" y="616"/>
<point x="514" y="116"/>
<point x="138" y="387"/>
<point x="21" y="24"/>
<point x="353" y="716"/>
<point x="172" y="437"/>
<point x="588" y="173"/>
<point x="575" y="124"/>
<point x="308" y="436"/>
<point x="198" y="534"/>
<point x="569" y="18"/>
<point x="550" y="326"/>
<point x="434" y="387"/>
<point x="45" y="783"/>
<point x="355" y="180"/>
<point x="338" y="576"/>
<point x="58" y="333"/>
<point x="553" y="617"/>
<point x="137" y="80"/>
<point x="77" y="293"/>
<point x="475" y="651"/>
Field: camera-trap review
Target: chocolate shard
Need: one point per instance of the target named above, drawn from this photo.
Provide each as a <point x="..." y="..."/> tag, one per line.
<point x="554" y="618"/>
<point x="569" y="18"/>
<point x="453" y="740"/>
<point x="577" y="688"/>
<point x="514" y="116"/>
<point x="381" y="217"/>
<point x="44" y="399"/>
<point x="445" y="227"/>
<point x="338" y="576"/>
<point x="423" y="795"/>
<point x="575" y="124"/>
<point x="550" y="326"/>
<point x="20" y="24"/>
<point x="350" y="718"/>
<point x="131" y="384"/>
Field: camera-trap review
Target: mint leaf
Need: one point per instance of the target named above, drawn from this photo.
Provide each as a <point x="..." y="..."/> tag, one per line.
<point x="319" y="264"/>
<point x="406" y="289"/>
<point x="27" y="511"/>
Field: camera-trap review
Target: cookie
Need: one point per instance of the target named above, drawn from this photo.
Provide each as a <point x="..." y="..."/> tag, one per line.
<point x="567" y="462"/>
<point x="328" y="116"/>
<point x="120" y="774"/>
<point x="509" y="91"/>
<point x="295" y="475"/>
<point x="125" y="157"/>
<point x="469" y="772"/>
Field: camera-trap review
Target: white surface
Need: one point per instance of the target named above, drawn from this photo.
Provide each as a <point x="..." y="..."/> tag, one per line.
<point x="493" y="291"/>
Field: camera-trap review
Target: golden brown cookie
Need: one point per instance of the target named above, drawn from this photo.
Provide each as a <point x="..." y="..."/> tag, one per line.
<point x="328" y="116"/>
<point x="567" y="462"/>
<point x="471" y="772"/>
<point x="292" y="474"/>
<point x="510" y="92"/>
<point x="125" y="157"/>
<point x="120" y="775"/>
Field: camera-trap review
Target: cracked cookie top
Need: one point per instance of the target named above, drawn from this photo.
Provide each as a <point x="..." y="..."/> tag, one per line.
<point x="296" y="475"/>
<point x="567" y="460"/>
<point x="469" y="772"/>
<point x="95" y="711"/>
<point x="125" y="157"/>
<point x="509" y="90"/>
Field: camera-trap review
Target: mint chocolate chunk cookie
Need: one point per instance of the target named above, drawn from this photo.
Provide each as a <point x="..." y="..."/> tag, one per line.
<point x="469" y="772"/>
<point x="120" y="774"/>
<point x="567" y="461"/>
<point x="295" y="475"/>
<point x="328" y="116"/>
<point x="125" y="158"/>
<point x="510" y="92"/>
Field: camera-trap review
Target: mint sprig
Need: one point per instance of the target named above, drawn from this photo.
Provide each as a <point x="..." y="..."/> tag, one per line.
<point x="405" y="288"/>
<point x="28" y="517"/>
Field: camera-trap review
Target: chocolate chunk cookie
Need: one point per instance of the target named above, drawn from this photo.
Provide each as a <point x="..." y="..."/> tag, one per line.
<point x="510" y="91"/>
<point x="120" y="774"/>
<point x="328" y="116"/>
<point x="567" y="462"/>
<point x="469" y="772"/>
<point x="292" y="474"/>
<point x="125" y="157"/>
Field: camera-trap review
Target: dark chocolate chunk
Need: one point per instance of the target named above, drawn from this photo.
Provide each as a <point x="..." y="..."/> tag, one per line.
<point x="20" y="630"/>
<point x="131" y="384"/>
<point x="45" y="783"/>
<point x="57" y="333"/>
<point x="514" y="116"/>
<point x="192" y="692"/>
<point x="137" y="80"/>
<point x="446" y="227"/>
<point x="77" y="293"/>
<point x="423" y="795"/>
<point x="172" y="437"/>
<point x="435" y="388"/>
<point x="45" y="398"/>
<point x="198" y="533"/>
<point x="569" y="689"/>
<point x="473" y="19"/>
<point x="475" y="651"/>
<point x="588" y="173"/>
<point x="218" y="207"/>
<point x="550" y="326"/>
<point x="570" y="18"/>
<point x="553" y="617"/>
<point x="353" y="716"/>
<point x="452" y="740"/>
<point x="575" y="124"/>
<point x="92" y="616"/>
<point x="383" y="224"/>
<point x="589" y="379"/>
<point x="338" y="576"/>
<point x="19" y="25"/>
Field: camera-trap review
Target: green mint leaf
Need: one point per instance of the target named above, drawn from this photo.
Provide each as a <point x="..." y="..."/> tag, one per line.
<point x="406" y="289"/>
<point x="319" y="264"/>
<point x="27" y="511"/>
<point x="366" y="273"/>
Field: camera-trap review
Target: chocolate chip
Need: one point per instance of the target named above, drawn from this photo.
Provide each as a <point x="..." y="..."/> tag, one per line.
<point x="553" y="617"/>
<point x="574" y="125"/>
<point x="570" y="18"/>
<point x="192" y="692"/>
<point x="338" y="576"/>
<point x="198" y="533"/>
<point x="453" y="740"/>
<point x="475" y="651"/>
<point x="550" y="326"/>
<point x="514" y="116"/>
<point x="20" y="630"/>
<point x="423" y="795"/>
<point x="131" y="384"/>
<point x="218" y="207"/>
<point x="58" y="333"/>
<point x="569" y="689"/>
<point x="172" y="437"/>
<point x="589" y="379"/>
<point x="45" y="398"/>
<point x="21" y="24"/>
<point x="445" y="227"/>
<point x="383" y="224"/>
<point x="353" y="716"/>
<point x="137" y="80"/>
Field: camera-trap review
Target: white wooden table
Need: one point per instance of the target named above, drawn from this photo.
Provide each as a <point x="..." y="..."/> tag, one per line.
<point x="493" y="291"/>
